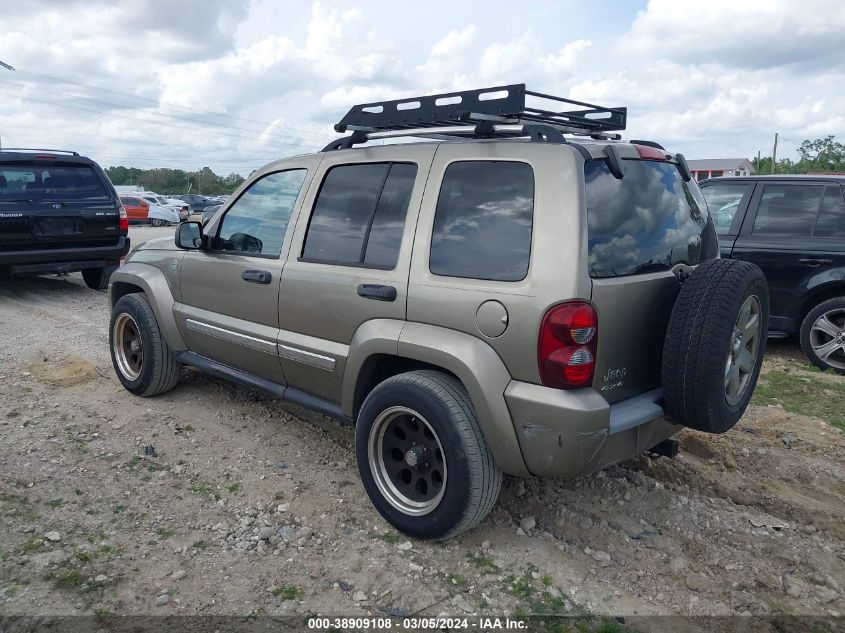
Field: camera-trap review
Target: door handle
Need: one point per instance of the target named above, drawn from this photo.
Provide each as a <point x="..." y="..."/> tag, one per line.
<point x="377" y="292"/>
<point x="257" y="276"/>
<point x="814" y="262"/>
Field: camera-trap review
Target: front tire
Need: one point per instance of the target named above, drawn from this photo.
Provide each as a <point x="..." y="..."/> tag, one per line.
<point x="422" y="456"/>
<point x="823" y="335"/>
<point x="141" y="357"/>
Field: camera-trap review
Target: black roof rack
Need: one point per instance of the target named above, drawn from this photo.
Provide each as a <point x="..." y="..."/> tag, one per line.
<point x="497" y="104"/>
<point x="38" y="149"/>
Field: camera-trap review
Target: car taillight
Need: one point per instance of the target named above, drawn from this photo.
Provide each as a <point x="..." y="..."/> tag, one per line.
<point x="566" y="347"/>
<point x="123" y="220"/>
<point x="646" y="152"/>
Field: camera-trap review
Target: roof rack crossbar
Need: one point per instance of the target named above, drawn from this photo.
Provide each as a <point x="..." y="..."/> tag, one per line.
<point x="497" y="104"/>
<point x="38" y="149"/>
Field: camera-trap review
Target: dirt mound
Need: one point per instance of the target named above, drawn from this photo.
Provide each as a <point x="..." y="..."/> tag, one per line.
<point x="63" y="372"/>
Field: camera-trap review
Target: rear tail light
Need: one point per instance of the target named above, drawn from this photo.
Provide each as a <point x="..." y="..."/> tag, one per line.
<point x="647" y="152"/>
<point x="123" y="220"/>
<point x="566" y="348"/>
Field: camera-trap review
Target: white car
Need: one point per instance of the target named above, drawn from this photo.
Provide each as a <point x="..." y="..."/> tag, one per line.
<point x="159" y="215"/>
<point x="171" y="203"/>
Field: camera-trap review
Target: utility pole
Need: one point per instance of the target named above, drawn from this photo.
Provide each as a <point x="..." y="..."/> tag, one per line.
<point x="7" y="67"/>
<point x="775" y="153"/>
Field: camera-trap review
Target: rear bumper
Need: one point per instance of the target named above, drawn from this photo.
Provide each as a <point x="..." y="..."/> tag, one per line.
<point x="62" y="259"/>
<point x="565" y="434"/>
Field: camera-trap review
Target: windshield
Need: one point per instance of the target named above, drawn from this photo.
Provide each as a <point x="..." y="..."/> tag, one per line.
<point x="50" y="182"/>
<point x="647" y="221"/>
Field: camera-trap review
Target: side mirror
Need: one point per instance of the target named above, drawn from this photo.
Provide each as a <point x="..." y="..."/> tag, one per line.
<point x="189" y="236"/>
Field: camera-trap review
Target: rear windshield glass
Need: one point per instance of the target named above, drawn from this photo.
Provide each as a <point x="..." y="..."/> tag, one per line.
<point x="647" y="221"/>
<point x="50" y="182"/>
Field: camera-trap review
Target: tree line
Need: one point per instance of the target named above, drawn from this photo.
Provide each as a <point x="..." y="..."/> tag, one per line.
<point x="176" y="181"/>
<point x="818" y="156"/>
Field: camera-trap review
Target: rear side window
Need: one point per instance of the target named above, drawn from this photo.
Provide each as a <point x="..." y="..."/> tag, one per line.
<point x="50" y="182"/>
<point x="788" y="210"/>
<point x="647" y="221"/>
<point x="483" y="221"/>
<point x="359" y="215"/>
<point x="723" y="202"/>
<point x="831" y="222"/>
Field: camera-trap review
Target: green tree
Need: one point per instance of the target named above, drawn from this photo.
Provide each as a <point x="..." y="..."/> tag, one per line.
<point x="175" y="181"/>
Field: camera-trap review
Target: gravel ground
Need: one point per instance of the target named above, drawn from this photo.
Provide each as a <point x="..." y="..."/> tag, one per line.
<point x="213" y="499"/>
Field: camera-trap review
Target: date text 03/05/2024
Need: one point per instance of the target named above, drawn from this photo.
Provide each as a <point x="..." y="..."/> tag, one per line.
<point x="417" y="624"/>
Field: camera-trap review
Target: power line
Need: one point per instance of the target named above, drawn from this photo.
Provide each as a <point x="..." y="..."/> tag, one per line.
<point x="147" y="121"/>
<point x="157" y="102"/>
<point x="205" y="124"/>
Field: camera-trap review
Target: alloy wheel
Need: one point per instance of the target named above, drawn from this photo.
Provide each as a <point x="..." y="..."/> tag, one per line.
<point x="407" y="461"/>
<point x="743" y="350"/>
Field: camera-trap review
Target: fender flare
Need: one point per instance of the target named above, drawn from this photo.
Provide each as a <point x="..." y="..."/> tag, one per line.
<point x="154" y="285"/>
<point x="474" y="362"/>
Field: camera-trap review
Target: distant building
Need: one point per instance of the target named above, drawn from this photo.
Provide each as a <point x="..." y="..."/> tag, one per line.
<point x="714" y="167"/>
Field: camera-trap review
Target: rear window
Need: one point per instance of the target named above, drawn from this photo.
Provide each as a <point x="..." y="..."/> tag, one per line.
<point x="40" y="182"/>
<point x="647" y="221"/>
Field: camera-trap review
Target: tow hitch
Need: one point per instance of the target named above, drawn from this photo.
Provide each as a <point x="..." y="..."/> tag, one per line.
<point x="666" y="448"/>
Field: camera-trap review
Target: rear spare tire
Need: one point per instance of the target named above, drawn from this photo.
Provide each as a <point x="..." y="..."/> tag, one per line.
<point x="714" y="344"/>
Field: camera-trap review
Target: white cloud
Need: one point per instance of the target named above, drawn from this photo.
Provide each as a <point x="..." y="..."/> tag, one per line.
<point x="709" y="80"/>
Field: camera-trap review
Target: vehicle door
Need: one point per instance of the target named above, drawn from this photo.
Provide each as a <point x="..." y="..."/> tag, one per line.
<point x="135" y="211"/>
<point x="777" y="235"/>
<point x="349" y="259"/>
<point x="229" y="308"/>
<point x="727" y="200"/>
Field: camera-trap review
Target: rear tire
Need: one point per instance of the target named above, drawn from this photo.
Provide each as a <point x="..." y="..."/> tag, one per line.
<point x="823" y="335"/>
<point x="157" y="222"/>
<point x="141" y="357"/>
<point x="422" y="456"/>
<point x="714" y="344"/>
<point x="98" y="278"/>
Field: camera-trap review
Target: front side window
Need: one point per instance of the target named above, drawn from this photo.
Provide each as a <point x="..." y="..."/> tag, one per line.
<point x="647" y="221"/>
<point x="483" y="221"/>
<point x="831" y="222"/>
<point x="256" y="223"/>
<point x="788" y="210"/>
<point x="723" y="201"/>
<point x="359" y="215"/>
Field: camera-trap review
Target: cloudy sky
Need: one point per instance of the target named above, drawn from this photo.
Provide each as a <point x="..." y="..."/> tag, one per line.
<point x="234" y="84"/>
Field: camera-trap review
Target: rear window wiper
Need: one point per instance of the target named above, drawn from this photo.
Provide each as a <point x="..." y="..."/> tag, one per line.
<point x="651" y="267"/>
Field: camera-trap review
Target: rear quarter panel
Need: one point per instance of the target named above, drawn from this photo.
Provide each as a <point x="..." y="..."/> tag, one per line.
<point x="557" y="269"/>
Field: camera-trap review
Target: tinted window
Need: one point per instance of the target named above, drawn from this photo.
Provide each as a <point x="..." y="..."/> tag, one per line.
<point x="723" y="202"/>
<point x="389" y="221"/>
<point x="831" y="222"/>
<point x="359" y="214"/>
<point x="51" y="182"/>
<point x="789" y="210"/>
<point x="647" y="221"/>
<point x="483" y="221"/>
<point x="257" y="222"/>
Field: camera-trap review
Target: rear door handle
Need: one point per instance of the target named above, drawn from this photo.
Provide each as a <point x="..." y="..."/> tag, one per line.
<point x="377" y="292"/>
<point x="257" y="276"/>
<point x="813" y="262"/>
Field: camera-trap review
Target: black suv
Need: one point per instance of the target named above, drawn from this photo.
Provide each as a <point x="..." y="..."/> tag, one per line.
<point x="793" y="227"/>
<point x="59" y="213"/>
